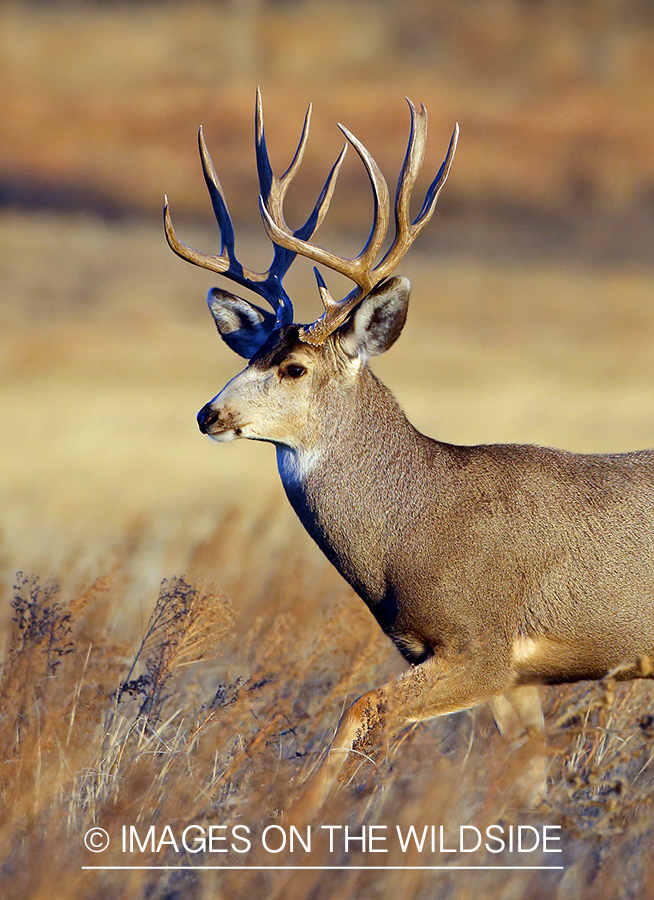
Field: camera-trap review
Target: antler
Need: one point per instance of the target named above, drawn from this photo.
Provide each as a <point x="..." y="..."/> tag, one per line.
<point x="361" y="269"/>
<point x="273" y="190"/>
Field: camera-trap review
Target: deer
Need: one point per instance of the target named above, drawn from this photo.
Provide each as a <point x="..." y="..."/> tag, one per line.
<point x="494" y="569"/>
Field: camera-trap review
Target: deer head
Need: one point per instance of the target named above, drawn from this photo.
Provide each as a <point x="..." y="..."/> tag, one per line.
<point x="290" y="365"/>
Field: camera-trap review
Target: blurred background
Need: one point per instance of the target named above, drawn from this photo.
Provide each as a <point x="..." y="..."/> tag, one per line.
<point x="531" y="320"/>
<point x="532" y="315"/>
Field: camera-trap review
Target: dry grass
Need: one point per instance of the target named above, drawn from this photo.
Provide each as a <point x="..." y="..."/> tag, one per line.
<point x="235" y="690"/>
<point x="212" y="723"/>
<point x="192" y="664"/>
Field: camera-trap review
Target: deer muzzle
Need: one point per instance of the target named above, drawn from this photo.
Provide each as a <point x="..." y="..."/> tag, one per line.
<point x="219" y="423"/>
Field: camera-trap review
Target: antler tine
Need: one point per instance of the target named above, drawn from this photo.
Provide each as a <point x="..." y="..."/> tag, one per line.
<point x="405" y="230"/>
<point x="437" y="184"/>
<point x="322" y="204"/>
<point x="219" y="263"/>
<point x="206" y="261"/>
<point x="362" y="264"/>
<point x="415" y="153"/>
<point x="273" y="190"/>
<point x="266" y="177"/>
<point x="288" y="243"/>
<point x="336" y="312"/>
<point x="218" y="201"/>
<point x="234" y="269"/>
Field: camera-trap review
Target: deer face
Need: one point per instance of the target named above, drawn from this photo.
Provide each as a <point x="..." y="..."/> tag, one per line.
<point x="290" y="387"/>
<point x="298" y="375"/>
<point x="270" y="400"/>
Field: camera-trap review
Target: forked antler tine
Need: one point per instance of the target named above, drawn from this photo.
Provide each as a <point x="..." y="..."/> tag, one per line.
<point x="279" y="232"/>
<point x="272" y="214"/>
<point x="267" y="180"/>
<point x="405" y="230"/>
<point x="264" y="169"/>
<point x="205" y="260"/>
<point x="288" y="244"/>
<point x="225" y="263"/>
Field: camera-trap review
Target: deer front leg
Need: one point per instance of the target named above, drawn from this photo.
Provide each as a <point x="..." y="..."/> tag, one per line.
<point x="434" y="688"/>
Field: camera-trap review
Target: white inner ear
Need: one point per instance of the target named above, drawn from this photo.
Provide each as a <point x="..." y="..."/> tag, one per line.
<point x="362" y="336"/>
<point x="226" y="319"/>
<point x="231" y="312"/>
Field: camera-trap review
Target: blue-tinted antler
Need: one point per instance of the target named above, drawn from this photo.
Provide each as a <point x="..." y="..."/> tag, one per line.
<point x="272" y="192"/>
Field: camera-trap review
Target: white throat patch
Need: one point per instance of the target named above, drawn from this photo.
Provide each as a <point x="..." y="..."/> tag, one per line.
<point x="295" y="465"/>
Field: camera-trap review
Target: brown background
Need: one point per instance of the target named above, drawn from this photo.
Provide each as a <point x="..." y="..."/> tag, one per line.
<point x="532" y="319"/>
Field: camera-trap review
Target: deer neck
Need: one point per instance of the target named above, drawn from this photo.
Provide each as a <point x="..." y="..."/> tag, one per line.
<point x="348" y="486"/>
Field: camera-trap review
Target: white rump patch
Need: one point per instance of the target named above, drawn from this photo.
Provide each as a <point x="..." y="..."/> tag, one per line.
<point x="526" y="649"/>
<point x="542" y="653"/>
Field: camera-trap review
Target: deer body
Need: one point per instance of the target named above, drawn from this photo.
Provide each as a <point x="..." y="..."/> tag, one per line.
<point x="544" y="558"/>
<point x="493" y="568"/>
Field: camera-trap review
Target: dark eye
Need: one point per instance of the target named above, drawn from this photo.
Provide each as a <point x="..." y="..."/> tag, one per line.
<point x="295" y="370"/>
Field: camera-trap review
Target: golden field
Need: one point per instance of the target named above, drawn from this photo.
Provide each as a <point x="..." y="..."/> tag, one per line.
<point x="531" y="320"/>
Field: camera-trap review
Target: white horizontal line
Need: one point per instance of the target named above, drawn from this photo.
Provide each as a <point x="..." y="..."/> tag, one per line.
<point x="330" y="868"/>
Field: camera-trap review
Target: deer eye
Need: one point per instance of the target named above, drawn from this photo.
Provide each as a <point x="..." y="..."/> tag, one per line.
<point x="294" y="370"/>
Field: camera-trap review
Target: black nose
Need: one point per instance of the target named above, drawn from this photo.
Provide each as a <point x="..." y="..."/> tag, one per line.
<point x="206" y="418"/>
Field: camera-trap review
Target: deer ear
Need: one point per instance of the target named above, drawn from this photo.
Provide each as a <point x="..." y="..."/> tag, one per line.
<point x="377" y="321"/>
<point x="242" y="325"/>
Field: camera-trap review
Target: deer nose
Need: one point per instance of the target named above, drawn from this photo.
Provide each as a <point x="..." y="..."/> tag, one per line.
<point x="206" y="418"/>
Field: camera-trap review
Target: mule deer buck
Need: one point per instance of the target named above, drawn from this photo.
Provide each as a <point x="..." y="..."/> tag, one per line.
<point x="493" y="568"/>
